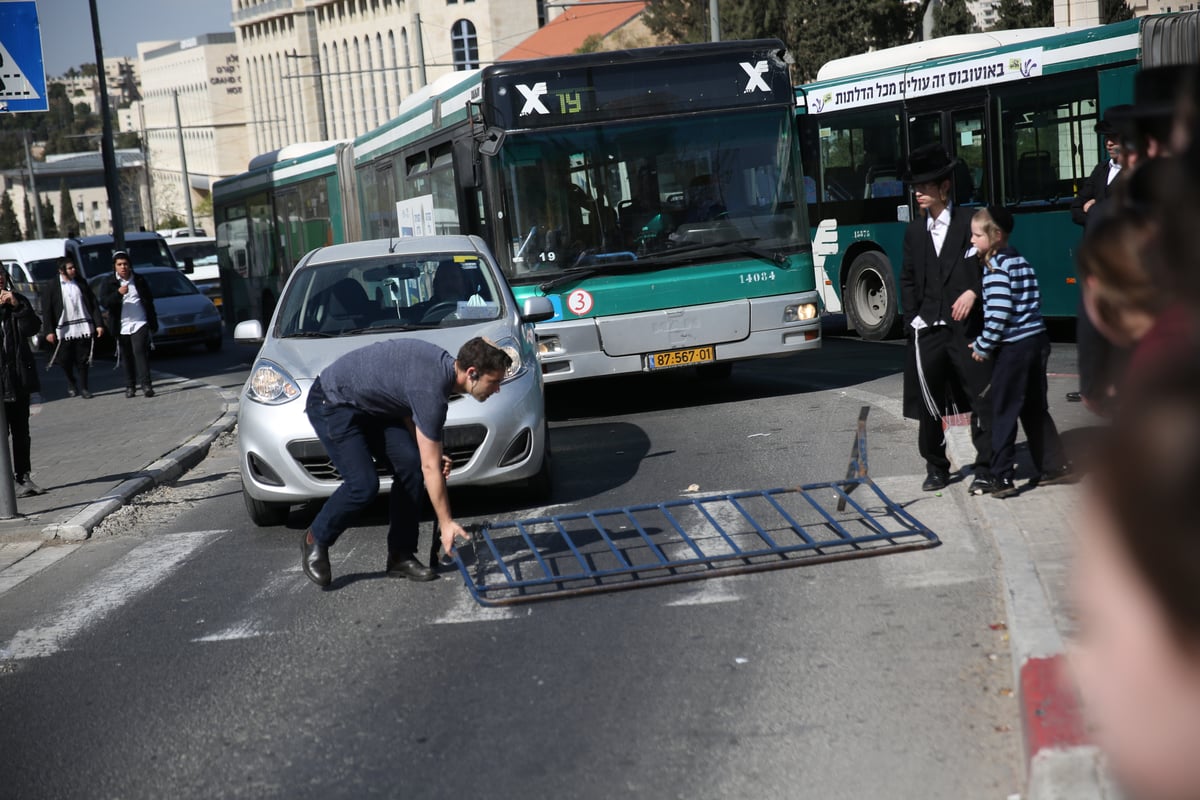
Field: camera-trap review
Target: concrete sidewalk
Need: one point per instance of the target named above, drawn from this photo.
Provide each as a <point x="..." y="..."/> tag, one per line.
<point x="1033" y="532"/>
<point x="92" y="456"/>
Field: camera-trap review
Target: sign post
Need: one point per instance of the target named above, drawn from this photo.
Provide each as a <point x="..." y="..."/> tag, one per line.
<point x="22" y="73"/>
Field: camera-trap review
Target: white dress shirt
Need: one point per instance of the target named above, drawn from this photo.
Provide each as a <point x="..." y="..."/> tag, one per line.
<point x="938" y="227"/>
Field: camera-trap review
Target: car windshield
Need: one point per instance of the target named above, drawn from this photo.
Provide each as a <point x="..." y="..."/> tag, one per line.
<point x="97" y="258"/>
<point x="44" y="269"/>
<point x="169" y="284"/>
<point x="388" y="293"/>
<point x="202" y="254"/>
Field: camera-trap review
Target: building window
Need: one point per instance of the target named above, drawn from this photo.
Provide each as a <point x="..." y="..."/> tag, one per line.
<point x="464" y="45"/>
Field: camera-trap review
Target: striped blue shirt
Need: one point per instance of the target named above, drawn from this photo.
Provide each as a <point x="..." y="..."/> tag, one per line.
<point x="1012" y="302"/>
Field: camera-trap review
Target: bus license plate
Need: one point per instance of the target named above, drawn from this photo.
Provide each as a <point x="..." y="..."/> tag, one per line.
<point x="681" y="358"/>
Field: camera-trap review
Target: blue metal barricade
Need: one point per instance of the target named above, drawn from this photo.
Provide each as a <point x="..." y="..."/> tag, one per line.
<point x="688" y="539"/>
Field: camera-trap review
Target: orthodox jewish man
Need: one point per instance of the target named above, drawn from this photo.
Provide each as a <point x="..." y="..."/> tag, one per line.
<point x="940" y="289"/>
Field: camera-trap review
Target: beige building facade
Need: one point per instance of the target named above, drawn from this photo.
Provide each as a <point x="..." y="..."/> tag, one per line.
<point x="334" y="69"/>
<point x="203" y="75"/>
<point x="1087" y="12"/>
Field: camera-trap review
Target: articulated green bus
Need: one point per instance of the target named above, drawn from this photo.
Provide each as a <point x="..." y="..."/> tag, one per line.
<point x="655" y="196"/>
<point x="1018" y="108"/>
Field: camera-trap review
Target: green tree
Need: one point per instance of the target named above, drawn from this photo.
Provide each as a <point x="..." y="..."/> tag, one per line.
<point x="49" y="226"/>
<point x="30" y="230"/>
<point x="1012" y="14"/>
<point x="953" y="17"/>
<point x="172" y="220"/>
<point x="68" y="223"/>
<point x="10" y="229"/>
<point x="1114" y="11"/>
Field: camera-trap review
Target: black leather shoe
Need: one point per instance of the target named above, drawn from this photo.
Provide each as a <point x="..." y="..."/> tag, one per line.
<point x="130" y="392"/>
<point x="148" y="392"/>
<point x="936" y="481"/>
<point x="1074" y="397"/>
<point x="85" y="394"/>
<point x="1064" y="474"/>
<point x="403" y="565"/>
<point x="315" y="560"/>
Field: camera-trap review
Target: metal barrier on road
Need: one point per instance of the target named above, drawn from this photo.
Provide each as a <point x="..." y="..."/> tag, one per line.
<point x="689" y="539"/>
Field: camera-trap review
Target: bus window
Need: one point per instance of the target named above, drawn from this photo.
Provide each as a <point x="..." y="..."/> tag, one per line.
<point x="1041" y="130"/>
<point x="861" y="160"/>
<point x="969" y="144"/>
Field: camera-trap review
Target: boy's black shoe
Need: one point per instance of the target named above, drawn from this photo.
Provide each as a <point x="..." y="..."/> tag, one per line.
<point x="1004" y="487"/>
<point x="936" y="480"/>
<point x="983" y="484"/>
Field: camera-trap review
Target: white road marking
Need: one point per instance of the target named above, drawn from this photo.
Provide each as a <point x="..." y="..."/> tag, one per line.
<point x="140" y="570"/>
<point x="465" y="609"/>
<point x="17" y="570"/>
<point x="252" y="628"/>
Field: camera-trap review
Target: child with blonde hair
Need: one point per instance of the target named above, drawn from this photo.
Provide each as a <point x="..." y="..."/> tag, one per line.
<point x="1014" y="337"/>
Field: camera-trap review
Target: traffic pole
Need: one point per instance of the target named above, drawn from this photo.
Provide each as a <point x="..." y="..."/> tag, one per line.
<point x="8" y="489"/>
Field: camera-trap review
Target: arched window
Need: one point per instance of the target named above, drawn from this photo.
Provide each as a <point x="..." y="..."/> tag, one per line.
<point x="464" y="44"/>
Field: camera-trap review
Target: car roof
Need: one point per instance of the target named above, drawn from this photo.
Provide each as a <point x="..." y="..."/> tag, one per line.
<point x="182" y="240"/>
<point x="106" y="238"/>
<point x="411" y="246"/>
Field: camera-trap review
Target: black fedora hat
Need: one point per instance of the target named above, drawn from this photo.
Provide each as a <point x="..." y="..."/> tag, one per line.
<point x="1155" y="94"/>
<point x="1115" y="119"/>
<point x="929" y="162"/>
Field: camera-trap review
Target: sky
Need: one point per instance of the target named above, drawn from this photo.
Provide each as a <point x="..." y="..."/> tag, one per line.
<point x="66" y="27"/>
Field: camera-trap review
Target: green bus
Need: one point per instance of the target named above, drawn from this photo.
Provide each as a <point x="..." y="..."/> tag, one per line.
<point x="1018" y="109"/>
<point x="655" y="196"/>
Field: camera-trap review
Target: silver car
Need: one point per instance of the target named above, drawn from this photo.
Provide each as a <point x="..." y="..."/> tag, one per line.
<point x="443" y="289"/>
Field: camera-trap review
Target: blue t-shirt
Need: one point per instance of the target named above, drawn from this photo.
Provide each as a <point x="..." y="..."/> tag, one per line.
<point x="397" y="378"/>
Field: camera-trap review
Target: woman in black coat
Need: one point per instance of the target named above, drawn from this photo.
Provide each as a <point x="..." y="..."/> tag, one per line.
<point x="18" y="378"/>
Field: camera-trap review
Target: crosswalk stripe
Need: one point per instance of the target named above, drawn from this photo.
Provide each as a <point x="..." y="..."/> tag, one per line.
<point x="140" y="570"/>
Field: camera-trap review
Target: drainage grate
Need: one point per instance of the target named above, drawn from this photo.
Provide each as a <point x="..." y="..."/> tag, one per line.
<point x="688" y="539"/>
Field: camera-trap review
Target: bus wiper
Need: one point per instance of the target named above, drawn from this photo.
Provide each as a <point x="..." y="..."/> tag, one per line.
<point x="745" y="245"/>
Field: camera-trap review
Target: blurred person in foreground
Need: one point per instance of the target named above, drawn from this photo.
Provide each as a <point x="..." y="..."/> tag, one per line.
<point x="1136" y="573"/>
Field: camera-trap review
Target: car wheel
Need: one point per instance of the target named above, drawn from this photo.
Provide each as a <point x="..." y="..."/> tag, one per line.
<point x="264" y="514"/>
<point x="869" y="297"/>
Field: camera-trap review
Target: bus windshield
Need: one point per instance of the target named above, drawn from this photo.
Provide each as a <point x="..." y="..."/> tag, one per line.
<point x="626" y="191"/>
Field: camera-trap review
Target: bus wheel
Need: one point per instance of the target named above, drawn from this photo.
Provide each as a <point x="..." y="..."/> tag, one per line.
<point x="870" y="297"/>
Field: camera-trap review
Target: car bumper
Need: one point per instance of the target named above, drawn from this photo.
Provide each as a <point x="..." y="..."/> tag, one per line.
<point x="501" y="441"/>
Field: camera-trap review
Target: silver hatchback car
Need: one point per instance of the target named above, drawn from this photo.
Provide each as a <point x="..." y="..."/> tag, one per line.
<point x="443" y="289"/>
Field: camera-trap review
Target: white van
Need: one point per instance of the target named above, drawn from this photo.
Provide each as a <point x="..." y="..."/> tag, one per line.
<point x="30" y="263"/>
<point x="197" y="257"/>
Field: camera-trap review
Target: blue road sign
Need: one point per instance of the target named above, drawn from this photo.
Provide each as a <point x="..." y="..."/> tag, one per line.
<point x="22" y="74"/>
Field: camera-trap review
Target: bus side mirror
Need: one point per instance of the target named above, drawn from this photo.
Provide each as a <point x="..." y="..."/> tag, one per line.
<point x="492" y="141"/>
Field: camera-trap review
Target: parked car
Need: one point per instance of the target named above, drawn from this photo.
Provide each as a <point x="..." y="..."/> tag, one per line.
<point x="93" y="254"/>
<point x="347" y="296"/>
<point x="197" y="257"/>
<point x="185" y="317"/>
<point x="31" y="262"/>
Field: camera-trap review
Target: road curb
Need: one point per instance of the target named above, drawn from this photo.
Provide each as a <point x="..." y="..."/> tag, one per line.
<point x="1060" y="763"/>
<point x="167" y="468"/>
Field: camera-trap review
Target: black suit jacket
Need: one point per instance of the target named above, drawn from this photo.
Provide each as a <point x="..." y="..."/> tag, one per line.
<point x="1095" y="187"/>
<point x="52" y="305"/>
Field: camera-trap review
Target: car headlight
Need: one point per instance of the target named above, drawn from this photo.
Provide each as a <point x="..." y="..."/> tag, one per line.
<point x="270" y="385"/>
<point x="517" y="366"/>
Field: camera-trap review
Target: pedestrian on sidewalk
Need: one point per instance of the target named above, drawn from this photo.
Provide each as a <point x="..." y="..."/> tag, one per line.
<point x="71" y="321"/>
<point x="1137" y="654"/>
<point x="18" y="379"/>
<point x="1014" y="338"/>
<point x="939" y="285"/>
<point x="391" y="398"/>
<point x="126" y="297"/>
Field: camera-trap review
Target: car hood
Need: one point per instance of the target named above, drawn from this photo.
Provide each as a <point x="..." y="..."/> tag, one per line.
<point x="304" y="359"/>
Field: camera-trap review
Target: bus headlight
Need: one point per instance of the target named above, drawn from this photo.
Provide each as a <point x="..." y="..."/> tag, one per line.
<point x="270" y="385"/>
<point x="800" y="313"/>
<point x="548" y="345"/>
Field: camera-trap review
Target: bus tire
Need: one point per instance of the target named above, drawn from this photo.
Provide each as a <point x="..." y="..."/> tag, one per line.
<point x="263" y="514"/>
<point x="869" y="297"/>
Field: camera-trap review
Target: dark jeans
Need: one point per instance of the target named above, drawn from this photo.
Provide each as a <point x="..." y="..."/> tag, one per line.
<point x="17" y="414"/>
<point x="135" y="357"/>
<point x="350" y="436"/>
<point x="1019" y="393"/>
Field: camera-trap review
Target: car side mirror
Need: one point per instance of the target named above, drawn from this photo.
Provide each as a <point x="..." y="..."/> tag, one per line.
<point x="536" y="309"/>
<point x="249" y="331"/>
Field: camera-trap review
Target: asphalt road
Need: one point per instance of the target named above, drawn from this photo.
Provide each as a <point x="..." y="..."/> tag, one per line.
<point x="189" y="657"/>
